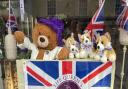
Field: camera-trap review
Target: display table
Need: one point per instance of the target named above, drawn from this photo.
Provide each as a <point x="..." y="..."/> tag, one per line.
<point x="69" y="74"/>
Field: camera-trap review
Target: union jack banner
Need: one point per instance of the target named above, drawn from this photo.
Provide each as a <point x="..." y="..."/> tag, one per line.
<point x="12" y="21"/>
<point x="100" y="2"/>
<point x="97" y="23"/>
<point x="122" y="20"/>
<point x="68" y="75"/>
<point x="124" y="2"/>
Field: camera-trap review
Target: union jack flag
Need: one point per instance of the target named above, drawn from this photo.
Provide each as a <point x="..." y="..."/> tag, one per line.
<point x="100" y="2"/>
<point x="12" y="21"/>
<point x="122" y="19"/>
<point x="52" y="74"/>
<point x="124" y="2"/>
<point x="96" y="25"/>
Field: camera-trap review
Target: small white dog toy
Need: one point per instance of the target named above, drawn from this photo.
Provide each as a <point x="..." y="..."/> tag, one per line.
<point x="86" y="46"/>
<point x="105" y="51"/>
<point x="73" y="46"/>
<point x="74" y="51"/>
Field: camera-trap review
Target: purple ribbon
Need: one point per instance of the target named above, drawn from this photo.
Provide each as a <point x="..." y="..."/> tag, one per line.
<point x="86" y="46"/>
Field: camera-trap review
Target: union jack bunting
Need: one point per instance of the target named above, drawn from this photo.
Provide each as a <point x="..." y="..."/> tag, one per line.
<point x="68" y="75"/>
<point x="96" y="25"/>
<point x="12" y="21"/>
<point x="124" y="2"/>
<point x="122" y="20"/>
<point x="100" y="2"/>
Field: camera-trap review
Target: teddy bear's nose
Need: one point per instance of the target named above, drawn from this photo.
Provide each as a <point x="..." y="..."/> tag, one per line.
<point x="42" y="39"/>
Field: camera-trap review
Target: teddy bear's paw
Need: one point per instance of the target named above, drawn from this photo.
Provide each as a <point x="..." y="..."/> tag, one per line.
<point x="112" y="58"/>
<point x="19" y="36"/>
<point x="104" y="59"/>
<point x="71" y="56"/>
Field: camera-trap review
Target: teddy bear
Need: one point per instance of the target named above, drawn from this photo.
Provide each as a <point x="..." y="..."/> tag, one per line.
<point x="46" y="40"/>
<point x="73" y="46"/>
<point x="105" y="51"/>
<point x="86" y="45"/>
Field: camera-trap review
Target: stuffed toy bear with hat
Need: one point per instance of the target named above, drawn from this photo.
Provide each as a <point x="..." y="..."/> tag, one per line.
<point x="47" y="40"/>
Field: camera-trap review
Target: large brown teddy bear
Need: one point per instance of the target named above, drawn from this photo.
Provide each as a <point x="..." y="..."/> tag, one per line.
<point x="47" y="40"/>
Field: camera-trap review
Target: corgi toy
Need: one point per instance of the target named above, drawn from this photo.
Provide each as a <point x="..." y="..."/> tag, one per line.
<point x="73" y="46"/>
<point x="74" y="50"/>
<point x="86" y="45"/>
<point x="105" y="51"/>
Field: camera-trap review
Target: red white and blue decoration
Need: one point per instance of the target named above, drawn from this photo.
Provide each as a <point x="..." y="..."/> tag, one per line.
<point x="96" y="25"/>
<point x="100" y="2"/>
<point x="124" y="2"/>
<point x="68" y="75"/>
<point x="122" y="19"/>
<point x="12" y="21"/>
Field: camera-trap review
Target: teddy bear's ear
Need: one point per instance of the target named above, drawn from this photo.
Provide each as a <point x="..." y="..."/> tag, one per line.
<point x="37" y="24"/>
<point x="107" y="34"/>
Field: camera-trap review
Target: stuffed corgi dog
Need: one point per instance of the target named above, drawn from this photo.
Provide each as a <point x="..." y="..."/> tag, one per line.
<point x="73" y="46"/>
<point x="104" y="50"/>
<point x="74" y="50"/>
<point x="86" y="45"/>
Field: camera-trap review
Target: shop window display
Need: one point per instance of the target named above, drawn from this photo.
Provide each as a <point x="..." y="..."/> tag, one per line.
<point x="76" y="15"/>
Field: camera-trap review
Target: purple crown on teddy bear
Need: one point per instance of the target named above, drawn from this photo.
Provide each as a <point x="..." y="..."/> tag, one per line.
<point x="56" y="24"/>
